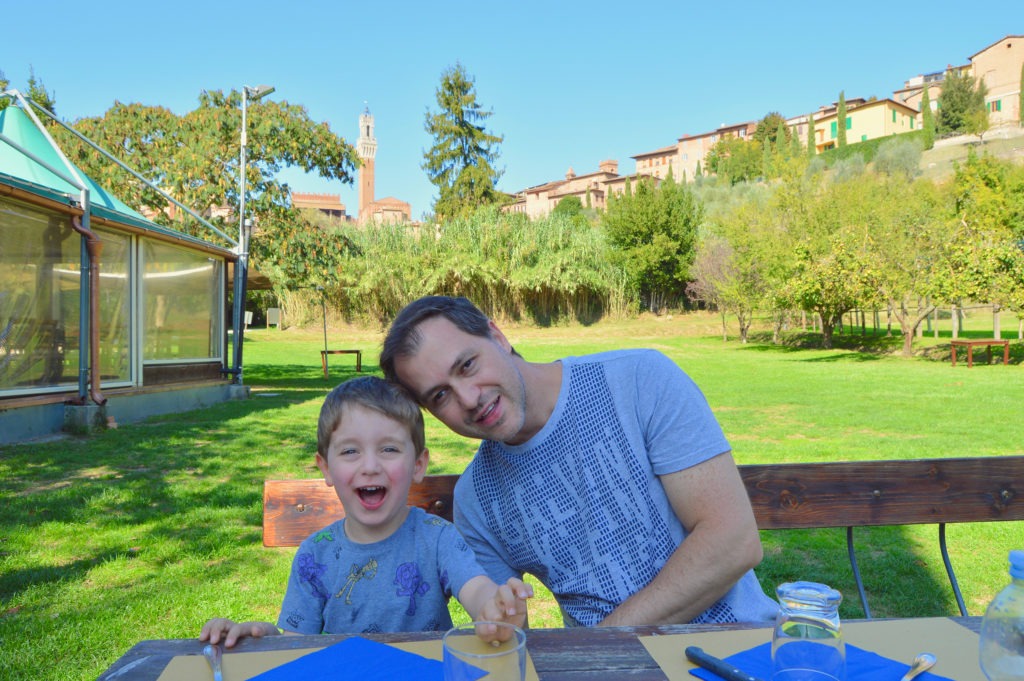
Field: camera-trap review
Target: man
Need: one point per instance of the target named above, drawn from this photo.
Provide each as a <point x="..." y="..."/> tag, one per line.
<point x="606" y="476"/>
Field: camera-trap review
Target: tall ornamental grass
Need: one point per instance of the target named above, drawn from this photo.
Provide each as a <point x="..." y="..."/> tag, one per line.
<point x="551" y="270"/>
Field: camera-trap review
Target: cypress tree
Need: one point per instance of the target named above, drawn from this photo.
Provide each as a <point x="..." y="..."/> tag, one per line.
<point x="841" y="121"/>
<point x="927" y="119"/>
<point x="812" y="142"/>
<point x="1020" y="105"/>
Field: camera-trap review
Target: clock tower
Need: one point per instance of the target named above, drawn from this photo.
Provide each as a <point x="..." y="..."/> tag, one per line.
<point x="366" y="147"/>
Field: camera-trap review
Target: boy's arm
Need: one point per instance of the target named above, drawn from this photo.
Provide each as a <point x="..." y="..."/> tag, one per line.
<point x="486" y="601"/>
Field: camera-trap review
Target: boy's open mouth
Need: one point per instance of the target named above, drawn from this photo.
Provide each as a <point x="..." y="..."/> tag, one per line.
<point x="372" y="497"/>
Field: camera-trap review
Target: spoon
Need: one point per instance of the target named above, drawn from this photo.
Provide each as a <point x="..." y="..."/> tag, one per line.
<point x="212" y="654"/>
<point x="922" y="662"/>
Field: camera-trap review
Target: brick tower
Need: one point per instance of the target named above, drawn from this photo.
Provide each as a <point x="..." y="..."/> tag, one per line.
<point x="367" y="150"/>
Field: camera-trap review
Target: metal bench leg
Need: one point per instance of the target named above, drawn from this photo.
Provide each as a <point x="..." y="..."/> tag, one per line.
<point x="949" y="570"/>
<point x="856" y="572"/>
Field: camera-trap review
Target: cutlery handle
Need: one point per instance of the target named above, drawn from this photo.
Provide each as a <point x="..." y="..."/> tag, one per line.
<point x="718" y="666"/>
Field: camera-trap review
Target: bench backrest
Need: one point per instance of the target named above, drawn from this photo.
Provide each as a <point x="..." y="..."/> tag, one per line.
<point x="783" y="496"/>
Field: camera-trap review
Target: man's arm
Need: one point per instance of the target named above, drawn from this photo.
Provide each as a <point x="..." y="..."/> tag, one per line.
<point x="722" y="544"/>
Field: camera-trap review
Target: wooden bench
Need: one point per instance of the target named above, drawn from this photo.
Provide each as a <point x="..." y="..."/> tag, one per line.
<point x="987" y="344"/>
<point x="846" y="494"/>
<point x="357" y="353"/>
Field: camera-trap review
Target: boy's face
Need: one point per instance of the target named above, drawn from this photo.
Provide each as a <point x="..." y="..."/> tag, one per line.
<point x="371" y="463"/>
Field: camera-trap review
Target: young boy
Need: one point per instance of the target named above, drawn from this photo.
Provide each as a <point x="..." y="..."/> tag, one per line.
<point x="384" y="566"/>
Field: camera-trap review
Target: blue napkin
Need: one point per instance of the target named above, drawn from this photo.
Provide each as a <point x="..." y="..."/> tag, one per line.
<point x="359" y="658"/>
<point x="861" y="665"/>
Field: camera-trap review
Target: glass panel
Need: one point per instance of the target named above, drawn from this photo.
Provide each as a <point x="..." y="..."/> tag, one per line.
<point x="181" y="303"/>
<point x="115" y="308"/>
<point x="40" y="269"/>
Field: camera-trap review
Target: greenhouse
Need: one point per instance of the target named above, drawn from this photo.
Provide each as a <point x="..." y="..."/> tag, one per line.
<point x="105" y="316"/>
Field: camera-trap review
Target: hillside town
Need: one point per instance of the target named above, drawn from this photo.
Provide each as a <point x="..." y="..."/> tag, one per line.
<point x="998" y="66"/>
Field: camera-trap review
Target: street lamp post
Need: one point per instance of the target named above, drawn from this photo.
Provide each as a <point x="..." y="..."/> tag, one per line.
<point x="244" y="232"/>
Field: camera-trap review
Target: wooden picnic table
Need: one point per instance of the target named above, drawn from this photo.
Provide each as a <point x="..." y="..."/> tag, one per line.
<point x="571" y="654"/>
<point x="987" y="344"/>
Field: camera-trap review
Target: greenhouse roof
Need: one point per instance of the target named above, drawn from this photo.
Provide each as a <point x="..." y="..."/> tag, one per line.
<point x="30" y="162"/>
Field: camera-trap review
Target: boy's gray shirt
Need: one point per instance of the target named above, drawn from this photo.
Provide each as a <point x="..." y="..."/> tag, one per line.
<point x="402" y="583"/>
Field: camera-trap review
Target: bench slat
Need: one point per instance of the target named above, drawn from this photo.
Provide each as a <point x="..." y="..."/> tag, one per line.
<point x="783" y="496"/>
<point x="862" y="493"/>
<point x="294" y="509"/>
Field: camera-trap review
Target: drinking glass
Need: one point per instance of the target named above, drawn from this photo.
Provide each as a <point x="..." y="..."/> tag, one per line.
<point x="464" y="650"/>
<point x="807" y="643"/>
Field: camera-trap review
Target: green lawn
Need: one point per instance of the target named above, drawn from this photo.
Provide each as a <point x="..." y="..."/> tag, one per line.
<point x="147" y="530"/>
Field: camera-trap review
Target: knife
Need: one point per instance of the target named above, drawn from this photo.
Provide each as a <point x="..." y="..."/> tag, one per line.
<point x="713" y="664"/>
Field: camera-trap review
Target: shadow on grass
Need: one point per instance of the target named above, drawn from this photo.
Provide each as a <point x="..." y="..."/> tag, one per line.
<point x="870" y="347"/>
<point x="886" y="557"/>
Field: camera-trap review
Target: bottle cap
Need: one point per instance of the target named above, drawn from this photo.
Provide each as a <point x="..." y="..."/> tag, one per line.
<point x="1017" y="564"/>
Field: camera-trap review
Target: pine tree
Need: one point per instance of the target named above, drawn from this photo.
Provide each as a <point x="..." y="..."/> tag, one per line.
<point x="927" y="120"/>
<point x="841" y="120"/>
<point x="460" y="162"/>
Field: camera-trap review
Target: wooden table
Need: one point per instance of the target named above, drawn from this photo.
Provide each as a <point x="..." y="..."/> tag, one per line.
<point x="357" y="353"/>
<point x="987" y="344"/>
<point x="557" y="654"/>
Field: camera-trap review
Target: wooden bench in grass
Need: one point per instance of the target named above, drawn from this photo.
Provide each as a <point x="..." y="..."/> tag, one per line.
<point x="845" y="494"/>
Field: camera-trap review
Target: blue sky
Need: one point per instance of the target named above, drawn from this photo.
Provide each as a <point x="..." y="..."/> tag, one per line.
<point x="570" y="83"/>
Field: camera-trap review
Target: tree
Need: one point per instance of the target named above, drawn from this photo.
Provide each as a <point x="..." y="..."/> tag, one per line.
<point x="899" y="157"/>
<point x="812" y="142"/>
<point x="36" y="92"/>
<point x="927" y="119"/>
<point x="769" y="126"/>
<point x="194" y="158"/>
<point x="736" y="159"/>
<point x="962" y="105"/>
<point x="841" y="120"/>
<point x="460" y="162"/>
<point x="1020" y="100"/>
<point x="654" y="231"/>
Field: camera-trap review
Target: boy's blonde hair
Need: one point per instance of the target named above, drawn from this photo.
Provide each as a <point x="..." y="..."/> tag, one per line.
<point x="374" y="393"/>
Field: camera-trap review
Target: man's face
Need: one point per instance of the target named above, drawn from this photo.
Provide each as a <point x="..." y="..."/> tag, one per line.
<point x="472" y="384"/>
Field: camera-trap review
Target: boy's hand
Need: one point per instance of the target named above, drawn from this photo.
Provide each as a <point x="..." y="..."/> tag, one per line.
<point x="508" y="605"/>
<point x="232" y="631"/>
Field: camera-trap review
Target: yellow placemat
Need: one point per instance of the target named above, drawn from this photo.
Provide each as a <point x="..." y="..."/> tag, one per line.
<point x="243" y="666"/>
<point x="954" y="645"/>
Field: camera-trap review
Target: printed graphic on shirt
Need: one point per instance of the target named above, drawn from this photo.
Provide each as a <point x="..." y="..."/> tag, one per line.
<point x="323" y="535"/>
<point x="312" y="571"/>
<point x="410" y="583"/>
<point x="355" y="575"/>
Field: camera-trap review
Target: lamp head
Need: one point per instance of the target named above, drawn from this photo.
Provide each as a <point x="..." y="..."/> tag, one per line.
<point x="254" y="93"/>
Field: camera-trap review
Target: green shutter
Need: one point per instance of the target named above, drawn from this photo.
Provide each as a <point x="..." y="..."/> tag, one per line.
<point x="863" y="138"/>
<point x="835" y="129"/>
<point x="849" y="122"/>
<point x="894" y="115"/>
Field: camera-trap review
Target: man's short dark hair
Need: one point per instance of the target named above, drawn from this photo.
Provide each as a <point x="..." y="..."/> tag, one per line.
<point x="403" y="338"/>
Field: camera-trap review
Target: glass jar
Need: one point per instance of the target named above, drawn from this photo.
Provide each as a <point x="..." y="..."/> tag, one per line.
<point x="807" y="643"/>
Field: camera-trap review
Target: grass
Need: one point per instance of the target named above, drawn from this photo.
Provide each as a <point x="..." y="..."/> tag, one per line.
<point x="147" y="530"/>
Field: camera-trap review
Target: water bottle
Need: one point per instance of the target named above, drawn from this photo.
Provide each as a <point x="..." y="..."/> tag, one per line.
<point x="1001" y="644"/>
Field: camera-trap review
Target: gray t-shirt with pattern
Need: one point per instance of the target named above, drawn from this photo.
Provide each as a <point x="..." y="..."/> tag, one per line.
<point x="402" y="583"/>
<point x="580" y="504"/>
